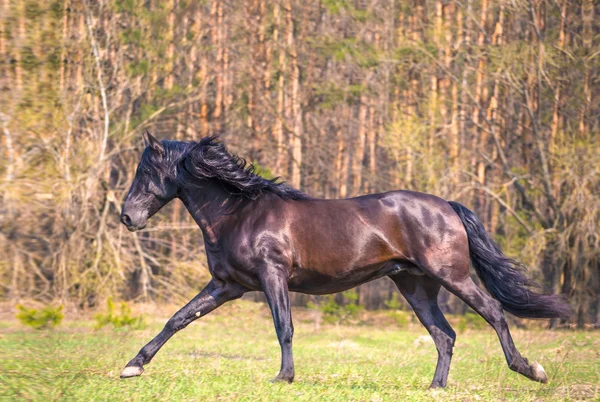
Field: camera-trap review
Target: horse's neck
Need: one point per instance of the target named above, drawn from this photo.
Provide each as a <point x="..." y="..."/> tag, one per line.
<point x="208" y="206"/>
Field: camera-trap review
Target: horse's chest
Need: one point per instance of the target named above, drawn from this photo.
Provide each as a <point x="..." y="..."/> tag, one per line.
<point x="243" y="274"/>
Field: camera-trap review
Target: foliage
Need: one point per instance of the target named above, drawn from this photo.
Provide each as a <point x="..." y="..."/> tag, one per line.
<point x="495" y="108"/>
<point x="124" y="318"/>
<point x="470" y="320"/>
<point x="394" y="303"/>
<point x="263" y="171"/>
<point x="47" y="317"/>
<point x="338" y="313"/>
<point x="402" y="318"/>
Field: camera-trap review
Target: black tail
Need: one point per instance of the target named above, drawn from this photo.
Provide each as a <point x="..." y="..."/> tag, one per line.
<point x="505" y="278"/>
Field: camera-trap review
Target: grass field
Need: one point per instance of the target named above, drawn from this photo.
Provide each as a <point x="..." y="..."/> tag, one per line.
<point x="233" y="353"/>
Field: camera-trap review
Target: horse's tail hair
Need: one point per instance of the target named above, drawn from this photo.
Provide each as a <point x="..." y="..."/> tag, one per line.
<point x="505" y="278"/>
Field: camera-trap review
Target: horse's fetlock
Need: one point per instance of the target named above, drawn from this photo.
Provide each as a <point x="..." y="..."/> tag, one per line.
<point x="519" y="366"/>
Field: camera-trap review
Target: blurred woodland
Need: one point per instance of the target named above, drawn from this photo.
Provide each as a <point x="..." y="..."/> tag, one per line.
<point x="493" y="103"/>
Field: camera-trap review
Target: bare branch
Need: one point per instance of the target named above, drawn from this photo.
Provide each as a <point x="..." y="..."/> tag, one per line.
<point x="10" y="167"/>
<point x="99" y="76"/>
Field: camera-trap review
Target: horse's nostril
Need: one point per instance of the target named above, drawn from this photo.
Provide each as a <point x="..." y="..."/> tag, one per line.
<point x="126" y="220"/>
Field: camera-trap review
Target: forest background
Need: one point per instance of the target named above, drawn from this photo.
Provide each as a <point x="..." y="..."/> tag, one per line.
<point x="493" y="103"/>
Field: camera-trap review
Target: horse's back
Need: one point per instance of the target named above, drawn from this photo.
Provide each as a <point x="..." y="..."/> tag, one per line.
<point x="363" y="234"/>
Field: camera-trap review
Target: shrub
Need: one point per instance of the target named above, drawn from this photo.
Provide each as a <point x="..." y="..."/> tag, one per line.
<point x="124" y="318"/>
<point x="395" y="306"/>
<point x="48" y="317"/>
<point x="402" y="318"/>
<point x="470" y="320"/>
<point x="394" y="303"/>
<point x="336" y="313"/>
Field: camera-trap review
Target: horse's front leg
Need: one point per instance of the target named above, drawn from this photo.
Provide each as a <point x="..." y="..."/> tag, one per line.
<point x="274" y="284"/>
<point x="212" y="296"/>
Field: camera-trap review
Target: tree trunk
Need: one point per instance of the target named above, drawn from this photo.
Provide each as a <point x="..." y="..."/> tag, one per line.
<point x="280" y="116"/>
<point x="297" y="128"/>
<point x="556" y="120"/>
<point x="359" y="147"/>
<point x="478" y="107"/>
<point x="217" y="41"/>
<point x="587" y="17"/>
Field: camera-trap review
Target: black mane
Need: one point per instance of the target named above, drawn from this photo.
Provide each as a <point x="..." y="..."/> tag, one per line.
<point x="209" y="159"/>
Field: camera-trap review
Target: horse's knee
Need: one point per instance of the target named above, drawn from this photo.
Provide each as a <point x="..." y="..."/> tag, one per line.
<point x="286" y="334"/>
<point x="449" y="332"/>
<point x="452" y="335"/>
<point x="175" y="324"/>
<point x="444" y="341"/>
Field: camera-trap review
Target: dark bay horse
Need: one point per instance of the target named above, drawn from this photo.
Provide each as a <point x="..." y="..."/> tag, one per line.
<point x="263" y="235"/>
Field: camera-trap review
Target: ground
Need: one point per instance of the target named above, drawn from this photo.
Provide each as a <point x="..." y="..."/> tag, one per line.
<point x="233" y="353"/>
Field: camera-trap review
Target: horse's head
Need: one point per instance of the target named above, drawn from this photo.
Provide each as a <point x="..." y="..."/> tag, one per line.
<point x="153" y="187"/>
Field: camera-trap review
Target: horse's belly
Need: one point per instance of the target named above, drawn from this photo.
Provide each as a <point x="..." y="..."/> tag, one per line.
<point x="312" y="281"/>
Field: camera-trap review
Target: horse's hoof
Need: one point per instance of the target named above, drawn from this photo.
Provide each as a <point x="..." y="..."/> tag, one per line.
<point x="539" y="374"/>
<point x="132" y="371"/>
<point x="283" y="378"/>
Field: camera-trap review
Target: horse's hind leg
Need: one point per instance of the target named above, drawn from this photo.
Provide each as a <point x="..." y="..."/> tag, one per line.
<point x="422" y="292"/>
<point x="212" y="296"/>
<point x="491" y="310"/>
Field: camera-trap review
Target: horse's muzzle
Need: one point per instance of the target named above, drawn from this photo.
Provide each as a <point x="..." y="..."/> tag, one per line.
<point x="126" y="220"/>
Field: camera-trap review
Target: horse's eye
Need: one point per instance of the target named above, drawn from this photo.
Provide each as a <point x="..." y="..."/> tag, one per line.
<point x="153" y="189"/>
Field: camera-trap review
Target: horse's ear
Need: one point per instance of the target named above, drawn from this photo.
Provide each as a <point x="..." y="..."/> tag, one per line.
<point x="152" y="142"/>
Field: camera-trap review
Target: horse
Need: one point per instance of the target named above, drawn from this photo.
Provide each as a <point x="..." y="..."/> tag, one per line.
<point x="263" y="235"/>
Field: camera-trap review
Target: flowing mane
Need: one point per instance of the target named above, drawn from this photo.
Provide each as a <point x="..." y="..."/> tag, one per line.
<point x="209" y="159"/>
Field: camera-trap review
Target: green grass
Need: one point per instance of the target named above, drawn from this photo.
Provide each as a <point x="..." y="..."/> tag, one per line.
<point x="233" y="353"/>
